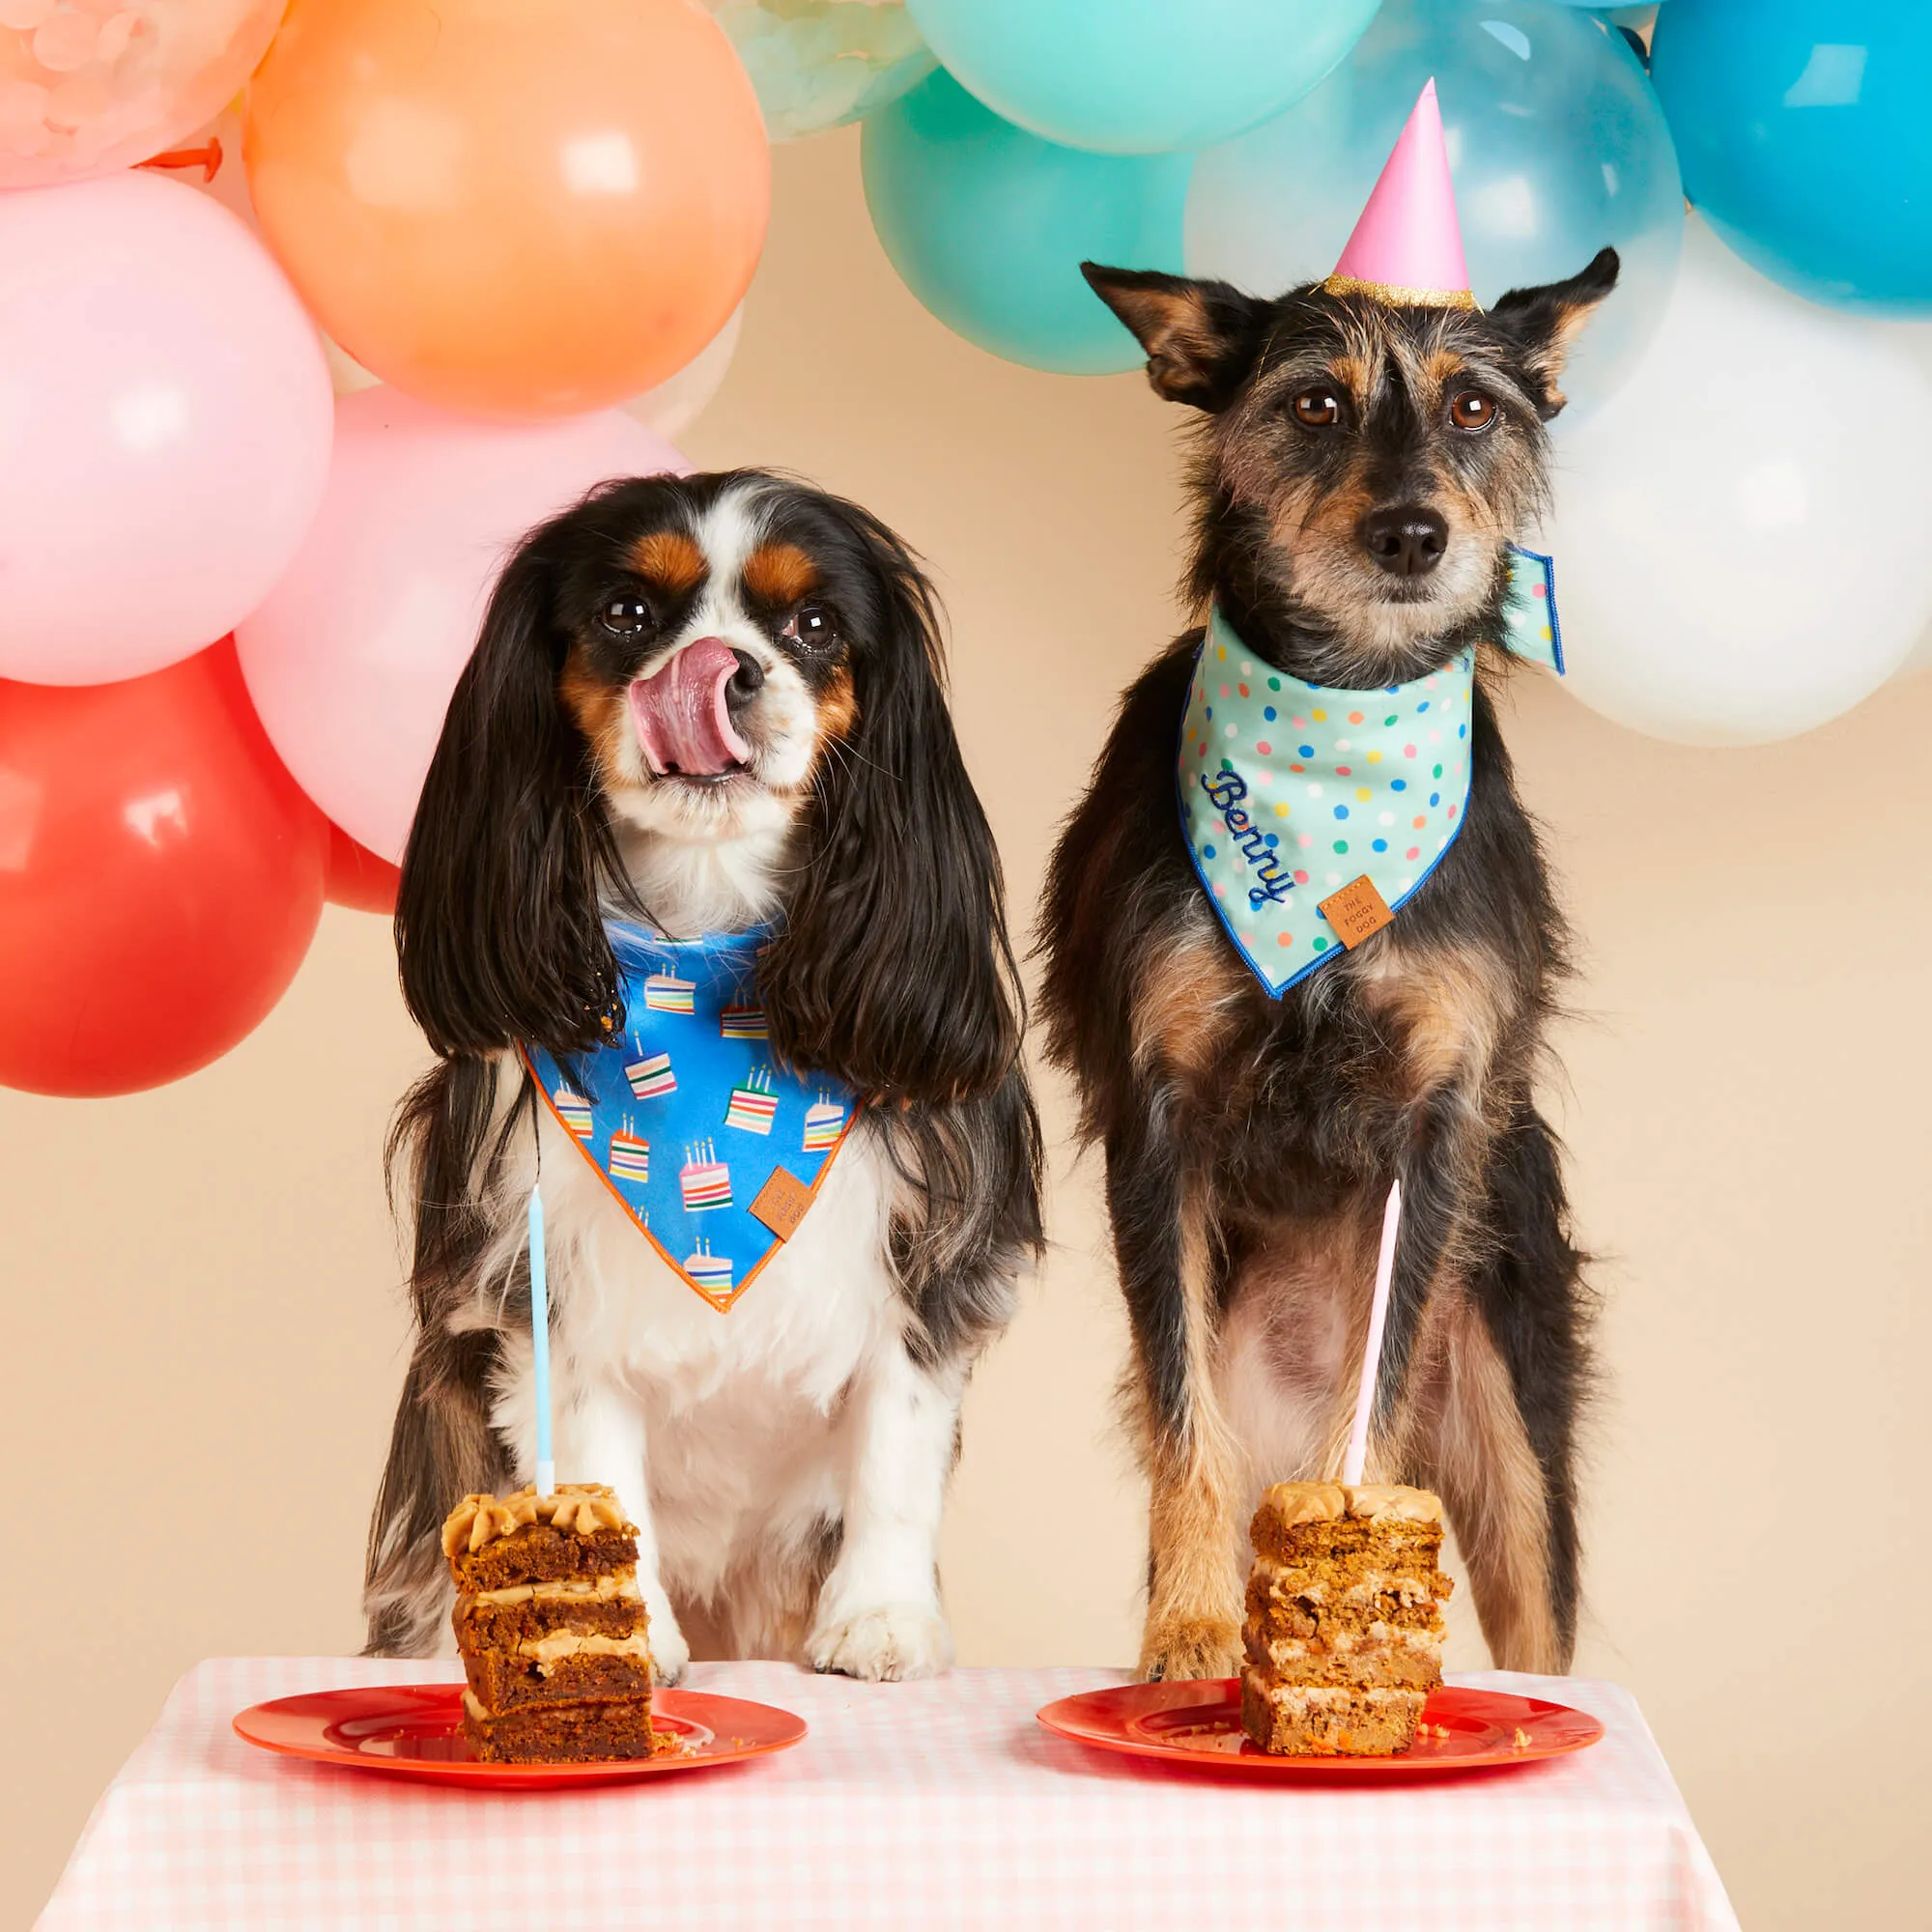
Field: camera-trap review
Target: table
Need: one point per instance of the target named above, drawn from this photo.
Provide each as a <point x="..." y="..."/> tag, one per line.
<point x="909" y="1805"/>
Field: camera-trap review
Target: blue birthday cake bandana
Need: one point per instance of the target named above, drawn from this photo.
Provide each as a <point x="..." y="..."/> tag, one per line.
<point x="1291" y="791"/>
<point x="713" y="1148"/>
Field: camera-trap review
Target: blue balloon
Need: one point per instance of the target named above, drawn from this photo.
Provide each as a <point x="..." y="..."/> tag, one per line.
<point x="987" y="225"/>
<point x="1556" y="144"/>
<point x="1139" y="76"/>
<point x="1802" y="128"/>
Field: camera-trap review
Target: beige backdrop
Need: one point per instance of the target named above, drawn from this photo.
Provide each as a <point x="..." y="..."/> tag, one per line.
<point x="204" y="1332"/>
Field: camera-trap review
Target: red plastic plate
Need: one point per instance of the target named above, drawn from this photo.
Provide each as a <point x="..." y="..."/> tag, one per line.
<point x="415" y="1730"/>
<point x="1199" y="1724"/>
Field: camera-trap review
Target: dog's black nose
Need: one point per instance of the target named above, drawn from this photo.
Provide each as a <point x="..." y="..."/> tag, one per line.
<point x="1406" y="541"/>
<point x="745" y="680"/>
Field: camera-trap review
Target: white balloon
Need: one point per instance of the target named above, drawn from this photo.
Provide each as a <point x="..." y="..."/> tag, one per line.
<point x="1916" y="339"/>
<point x="1739" y="530"/>
<point x="680" y="399"/>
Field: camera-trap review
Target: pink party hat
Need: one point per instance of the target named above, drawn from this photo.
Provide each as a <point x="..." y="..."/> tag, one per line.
<point x="1407" y="246"/>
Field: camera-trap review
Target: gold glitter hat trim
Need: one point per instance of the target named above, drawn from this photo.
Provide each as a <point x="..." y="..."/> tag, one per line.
<point x="1397" y="297"/>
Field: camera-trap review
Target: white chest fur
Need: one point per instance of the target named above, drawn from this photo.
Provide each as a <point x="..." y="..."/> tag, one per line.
<point x="738" y="1439"/>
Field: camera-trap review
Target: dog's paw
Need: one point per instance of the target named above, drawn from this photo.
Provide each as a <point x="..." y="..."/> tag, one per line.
<point x="1177" y="1649"/>
<point x="883" y="1646"/>
<point x="671" y="1654"/>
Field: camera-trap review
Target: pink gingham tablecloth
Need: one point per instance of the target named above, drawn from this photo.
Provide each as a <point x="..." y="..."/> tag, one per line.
<point x="933" y="1804"/>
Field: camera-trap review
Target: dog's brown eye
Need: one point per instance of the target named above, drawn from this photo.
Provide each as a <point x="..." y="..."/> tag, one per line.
<point x="1470" y="409"/>
<point x="1318" y="409"/>
<point x="626" y="616"/>
<point x="810" y="625"/>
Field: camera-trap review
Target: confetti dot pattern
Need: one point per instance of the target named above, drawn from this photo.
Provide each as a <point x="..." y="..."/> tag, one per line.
<point x="1383" y="752"/>
<point x="1343" y="755"/>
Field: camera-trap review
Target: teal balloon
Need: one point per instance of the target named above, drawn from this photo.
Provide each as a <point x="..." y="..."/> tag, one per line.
<point x="1557" y="148"/>
<point x="1140" y="76"/>
<point x="987" y="225"/>
<point x="1802" y="126"/>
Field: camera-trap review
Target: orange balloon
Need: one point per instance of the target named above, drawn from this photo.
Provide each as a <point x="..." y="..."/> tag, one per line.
<point x="511" y="208"/>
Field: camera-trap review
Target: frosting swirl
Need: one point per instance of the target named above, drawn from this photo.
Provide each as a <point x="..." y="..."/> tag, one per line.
<point x="1329" y="1502"/>
<point x="579" y="1508"/>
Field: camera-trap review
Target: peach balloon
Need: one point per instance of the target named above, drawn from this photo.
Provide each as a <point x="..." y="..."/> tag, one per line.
<point x="88" y="86"/>
<point x="508" y="209"/>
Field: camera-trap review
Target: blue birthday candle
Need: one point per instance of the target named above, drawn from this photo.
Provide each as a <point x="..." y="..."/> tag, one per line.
<point x="540" y="1345"/>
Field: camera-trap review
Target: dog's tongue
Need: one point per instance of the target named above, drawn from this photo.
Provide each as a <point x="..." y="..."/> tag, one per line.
<point x="680" y="714"/>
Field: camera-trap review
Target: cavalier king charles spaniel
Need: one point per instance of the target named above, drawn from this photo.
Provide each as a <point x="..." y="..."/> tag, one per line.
<point x="701" y="706"/>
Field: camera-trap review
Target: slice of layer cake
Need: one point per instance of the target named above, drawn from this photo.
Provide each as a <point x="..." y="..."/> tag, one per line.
<point x="550" y="1627"/>
<point x="1344" y="1631"/>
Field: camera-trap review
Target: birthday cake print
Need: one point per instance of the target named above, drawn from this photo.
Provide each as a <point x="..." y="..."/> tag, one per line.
<point x="824" y="1123"/>
<point x="630" y="1157"/>
<point x="753" y="1106"/>
<point x="703" y="1180"/>
<point x="573" y="1111"/>
<point x="688" y="1078"/>
<point x="667" y="993"/>
<point x="651" y="1074"/>
<point x="710" y="1274"/>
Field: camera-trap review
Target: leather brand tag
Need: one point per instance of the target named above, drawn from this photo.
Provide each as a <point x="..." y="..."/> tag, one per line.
<point x="782" y="1202"/>
<point x="1358" y="911"/>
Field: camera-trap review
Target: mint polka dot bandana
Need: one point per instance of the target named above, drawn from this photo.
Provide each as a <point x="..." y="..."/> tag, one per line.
<point x="1289" y="792"/>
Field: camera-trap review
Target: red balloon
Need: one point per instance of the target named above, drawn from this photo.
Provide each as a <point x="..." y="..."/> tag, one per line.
<point x="160" y="877"/>
<point x="358" y="878"/>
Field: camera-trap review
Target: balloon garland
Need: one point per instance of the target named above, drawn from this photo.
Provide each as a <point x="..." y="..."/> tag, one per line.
<point x="1558" y="145"/>
<point x="988" y="224"/>
<point x="1704" y="525"/>
<point x="515" y="244"/>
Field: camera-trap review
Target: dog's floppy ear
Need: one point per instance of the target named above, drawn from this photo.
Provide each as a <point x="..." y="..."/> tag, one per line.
<point x="893" y="968"/>
<point x="1202" y="339"/>
<point x="499" y="930"/>
<point x="1545" y="322"/>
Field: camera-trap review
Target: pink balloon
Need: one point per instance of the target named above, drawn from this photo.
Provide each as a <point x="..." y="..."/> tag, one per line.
<point x="351" y="659"/>
<point x="98" y="85"/>
<point x="164" y="427"/>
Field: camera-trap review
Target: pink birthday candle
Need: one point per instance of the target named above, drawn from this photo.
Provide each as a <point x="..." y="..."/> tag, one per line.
<point x="1372" y="1355"/>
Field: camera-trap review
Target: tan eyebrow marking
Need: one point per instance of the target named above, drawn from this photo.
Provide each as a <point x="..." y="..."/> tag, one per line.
<point x="672" y="559"/>
<point x="781" y="573"/>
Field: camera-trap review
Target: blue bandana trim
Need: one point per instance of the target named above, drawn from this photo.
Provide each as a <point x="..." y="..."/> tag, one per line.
<point x="686" y="1116"/>
<point x="1289" y="792"/>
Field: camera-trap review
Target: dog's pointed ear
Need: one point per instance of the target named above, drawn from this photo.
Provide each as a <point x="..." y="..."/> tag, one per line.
<point x="1546" y="322"/>
<point x="1202" y="339"/>
<point x="500" y="932"/>
<point x="891" y="966"/>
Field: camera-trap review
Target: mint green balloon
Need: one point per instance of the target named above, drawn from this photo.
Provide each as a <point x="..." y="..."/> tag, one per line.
<point x="987" y="225"/>
<point x="1140" y="76"/>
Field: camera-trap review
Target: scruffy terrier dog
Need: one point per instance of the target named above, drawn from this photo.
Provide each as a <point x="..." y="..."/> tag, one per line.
<point x="1360" y="470"/>
<point x="709" y="707"/>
